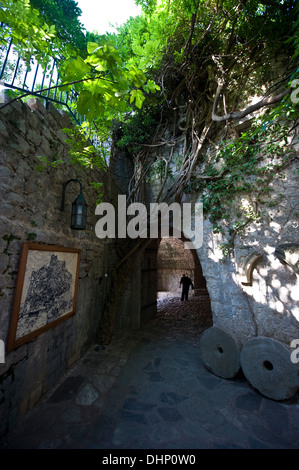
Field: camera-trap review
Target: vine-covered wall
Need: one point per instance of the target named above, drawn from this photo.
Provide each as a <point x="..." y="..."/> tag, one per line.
<point x="251" y="269"/>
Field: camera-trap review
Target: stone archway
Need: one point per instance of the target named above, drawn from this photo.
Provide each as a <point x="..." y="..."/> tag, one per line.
<point x="163" y="262"/>
<point x="181" y="318"/>
<point x="173" y="260"/>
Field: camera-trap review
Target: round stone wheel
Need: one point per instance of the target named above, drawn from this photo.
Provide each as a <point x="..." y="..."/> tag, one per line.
<point x="267" y="365"/>
<point x="220" y="352"/>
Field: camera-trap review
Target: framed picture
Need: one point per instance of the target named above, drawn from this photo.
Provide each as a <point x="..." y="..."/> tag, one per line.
<point x="46" y="291"/>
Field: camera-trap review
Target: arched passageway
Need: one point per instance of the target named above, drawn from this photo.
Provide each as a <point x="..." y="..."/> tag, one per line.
<point x="190" y="318"/>
<point x="173" y="261"/>
<point x="163" y="263"/>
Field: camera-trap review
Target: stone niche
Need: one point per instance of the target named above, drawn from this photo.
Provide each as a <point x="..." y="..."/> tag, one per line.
<point x="30" y="211"/>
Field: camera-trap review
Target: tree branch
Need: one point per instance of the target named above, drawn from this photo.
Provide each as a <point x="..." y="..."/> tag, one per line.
<point x="188" y="43"/>
<point x="250" y="109"/>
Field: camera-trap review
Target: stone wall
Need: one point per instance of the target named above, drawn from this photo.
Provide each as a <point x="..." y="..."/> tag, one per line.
<point x="30" y="211"/>
<point x="254" y="292"/>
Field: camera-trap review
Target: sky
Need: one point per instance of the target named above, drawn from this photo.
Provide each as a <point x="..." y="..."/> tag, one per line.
<point x="98" y="14"/>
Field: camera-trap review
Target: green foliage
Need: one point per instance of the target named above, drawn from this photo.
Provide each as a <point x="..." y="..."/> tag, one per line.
<point x="82" y="152"/>
<point x="136" y="129"/>
<point x="32" y="36"/>
<point x="8" y="239"/>
<point x="30" y="236"/>
<point x="43" y="28"/>
<point x="106" y="88"/>
<point x="233" y="25"/>
<point x="64" y="15"/>
<point x="98" y="188"/>
<point x="44" y="162"/>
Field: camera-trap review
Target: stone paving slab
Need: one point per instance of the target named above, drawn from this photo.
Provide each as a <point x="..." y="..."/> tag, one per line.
<point x="149" y="390"/>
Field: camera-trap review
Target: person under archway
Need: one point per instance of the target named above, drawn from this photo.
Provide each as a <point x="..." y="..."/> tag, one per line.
<point x="185" y="282"/>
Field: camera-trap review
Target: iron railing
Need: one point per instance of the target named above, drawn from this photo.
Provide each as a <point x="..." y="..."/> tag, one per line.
<point x="18" y="75"/>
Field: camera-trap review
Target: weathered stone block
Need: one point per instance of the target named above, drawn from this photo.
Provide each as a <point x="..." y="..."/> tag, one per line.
<point x="3" y="130"/>
<point x="36" y="105"/>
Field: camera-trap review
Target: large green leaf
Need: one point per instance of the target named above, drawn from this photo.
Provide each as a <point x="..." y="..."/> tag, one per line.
<point x="91" y="47"/>
<point x="76" y="69"/>
<point x="86" y="104"/>
<point x="138" y="97"/>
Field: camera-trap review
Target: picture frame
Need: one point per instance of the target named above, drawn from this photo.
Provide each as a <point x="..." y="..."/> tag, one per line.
<point x="45" y="292"/>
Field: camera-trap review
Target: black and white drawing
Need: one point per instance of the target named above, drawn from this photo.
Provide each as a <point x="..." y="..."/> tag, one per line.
<point x="46" y="289"/>
<point x="49" y="296"/>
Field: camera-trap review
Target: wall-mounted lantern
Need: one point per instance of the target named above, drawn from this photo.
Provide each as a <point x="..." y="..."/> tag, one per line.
<point x="79" y="208"/>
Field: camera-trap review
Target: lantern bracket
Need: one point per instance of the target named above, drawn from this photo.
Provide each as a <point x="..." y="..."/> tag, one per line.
<point x="63" y="191"/>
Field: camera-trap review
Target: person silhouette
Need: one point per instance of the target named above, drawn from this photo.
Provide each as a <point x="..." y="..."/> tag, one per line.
<point x="185" y="282"/>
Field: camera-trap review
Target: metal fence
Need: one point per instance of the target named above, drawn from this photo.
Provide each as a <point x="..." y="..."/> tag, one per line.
<point x="16" y="74"/>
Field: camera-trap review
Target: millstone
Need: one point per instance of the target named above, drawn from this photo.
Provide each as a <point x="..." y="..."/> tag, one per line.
<point x="267" y="366"/>
<point x="220" y="352"/>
